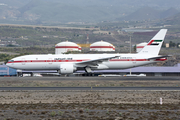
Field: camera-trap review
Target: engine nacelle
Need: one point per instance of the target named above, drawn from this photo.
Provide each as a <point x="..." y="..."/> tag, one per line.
<point x="67" y="68"/>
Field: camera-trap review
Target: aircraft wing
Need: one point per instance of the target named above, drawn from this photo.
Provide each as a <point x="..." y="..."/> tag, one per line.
<point x="95" y="62"/>
<point x="158" y="57"/>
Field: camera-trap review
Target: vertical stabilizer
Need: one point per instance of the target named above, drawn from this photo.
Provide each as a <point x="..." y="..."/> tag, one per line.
<point x="154" y="45"/>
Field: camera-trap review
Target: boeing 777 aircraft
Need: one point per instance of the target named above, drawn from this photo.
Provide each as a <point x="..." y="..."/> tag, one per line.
<point x="69" y="63"/>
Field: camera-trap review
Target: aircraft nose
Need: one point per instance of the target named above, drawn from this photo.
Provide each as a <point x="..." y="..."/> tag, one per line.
<point x="9" y="63"/>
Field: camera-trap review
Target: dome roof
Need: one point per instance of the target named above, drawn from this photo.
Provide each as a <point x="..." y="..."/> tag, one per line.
<point x="67" y="43"/>
<point x="63" y="47"/>
<point x="102" y="46"/>
<point x="140" y="46"/>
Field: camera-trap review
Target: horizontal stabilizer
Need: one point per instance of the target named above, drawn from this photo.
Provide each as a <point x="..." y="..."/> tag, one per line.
<point x="153" y="58"/>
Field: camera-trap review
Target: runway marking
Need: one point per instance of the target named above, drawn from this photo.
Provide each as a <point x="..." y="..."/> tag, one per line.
<point x="93" y="88"/>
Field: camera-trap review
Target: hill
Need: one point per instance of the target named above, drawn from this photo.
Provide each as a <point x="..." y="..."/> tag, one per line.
<point x="80" y="11"/>
<point x="169" y="13"/>
<point x="15" y="3"/>
<point x="174" y="20"/>
<point x="145" y="13"/>
<point x="149" y="13"/>
<point x="64" y="12"/>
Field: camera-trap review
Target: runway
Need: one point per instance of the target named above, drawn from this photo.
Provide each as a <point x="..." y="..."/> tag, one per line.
<point x="89" y="88"/>
<point x="92" y="78"/>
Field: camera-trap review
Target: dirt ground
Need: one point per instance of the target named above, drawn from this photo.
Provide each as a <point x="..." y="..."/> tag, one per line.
<point x="113" y="105"/>
<point x="59" y="111"/>
<point x="89" y="104"/>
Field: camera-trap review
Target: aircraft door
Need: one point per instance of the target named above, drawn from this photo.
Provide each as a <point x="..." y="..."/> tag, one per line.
<point x="50" y="61"/>
<point x="134" y="60"/>
<point x="23" y="61"/>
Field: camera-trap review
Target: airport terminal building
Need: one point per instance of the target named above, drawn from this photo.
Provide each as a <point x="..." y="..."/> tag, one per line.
<point x="6" y="71"/>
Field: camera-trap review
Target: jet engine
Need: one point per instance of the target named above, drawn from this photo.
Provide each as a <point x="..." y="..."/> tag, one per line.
<point x="67" y="69"/>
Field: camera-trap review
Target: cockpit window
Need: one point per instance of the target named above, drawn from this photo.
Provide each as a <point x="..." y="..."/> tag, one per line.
<point x="11" y="61"/>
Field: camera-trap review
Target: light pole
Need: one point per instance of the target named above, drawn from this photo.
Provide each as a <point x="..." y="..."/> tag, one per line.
<point x="130" y="42"/>
<point x="130" y="50"/>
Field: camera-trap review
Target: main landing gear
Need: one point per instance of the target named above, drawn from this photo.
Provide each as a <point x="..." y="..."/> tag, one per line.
<point x="88" y="72"/>
<point x="19" y="74"/>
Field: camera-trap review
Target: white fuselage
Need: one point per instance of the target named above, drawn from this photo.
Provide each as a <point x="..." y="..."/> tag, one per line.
<point x="53" y="62"/>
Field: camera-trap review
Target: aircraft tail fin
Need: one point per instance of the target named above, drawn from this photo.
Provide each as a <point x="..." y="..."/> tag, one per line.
<point x="154" y="45"/>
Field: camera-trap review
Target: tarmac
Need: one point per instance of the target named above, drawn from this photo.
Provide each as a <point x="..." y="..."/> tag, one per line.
<point x="93" y="78"/>
<point x="91" y="88"/>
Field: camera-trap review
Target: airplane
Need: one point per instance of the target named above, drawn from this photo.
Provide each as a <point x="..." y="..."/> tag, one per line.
<point x="69" y="63"/>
